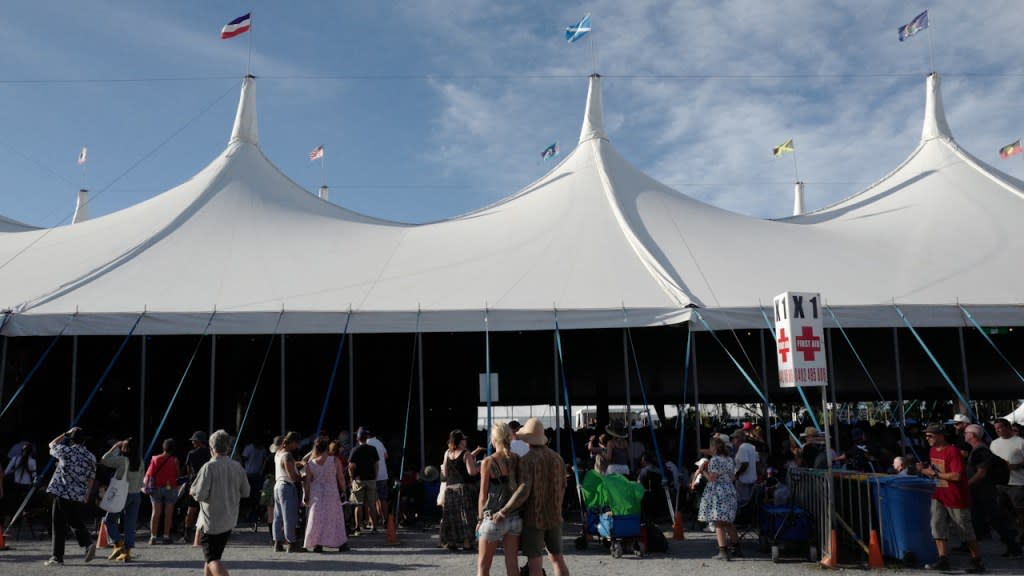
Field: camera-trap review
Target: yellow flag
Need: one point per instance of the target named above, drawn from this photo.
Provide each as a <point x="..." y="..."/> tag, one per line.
<point x="781" y="149"/>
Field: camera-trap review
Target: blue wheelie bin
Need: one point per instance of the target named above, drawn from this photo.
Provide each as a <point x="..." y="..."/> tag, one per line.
<point x="904" y="506"/>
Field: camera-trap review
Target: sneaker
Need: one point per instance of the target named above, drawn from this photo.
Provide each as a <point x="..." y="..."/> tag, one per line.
<point x="941" y="564"/>
<point x="722" y="555"/>
<point x="152" y="541"/>
<point x="357" y="532"/>
<point x="975" y="566"/>
<point x="278" y="547"/>
<point x="90" y="552"/>
<point x="52" y="561"/>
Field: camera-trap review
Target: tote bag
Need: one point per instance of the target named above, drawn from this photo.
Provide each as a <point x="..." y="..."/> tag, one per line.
<point x="117" y="493"/>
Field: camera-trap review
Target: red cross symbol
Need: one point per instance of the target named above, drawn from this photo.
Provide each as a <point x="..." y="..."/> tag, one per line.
<point x="783" y="345"/>
<point x="808" y="343"/>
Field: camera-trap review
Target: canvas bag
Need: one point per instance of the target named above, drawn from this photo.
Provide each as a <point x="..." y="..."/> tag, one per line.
<point x="117" y="493"/>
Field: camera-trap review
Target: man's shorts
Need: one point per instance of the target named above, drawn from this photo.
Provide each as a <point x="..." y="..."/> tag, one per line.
<point x="535" y="540"/>
<point x="943" y="518"/>
<point x="364" y="492"/>
<point x="492" y="531"/>
<point x="383" y="491"/>
<point x="164" y="495"/>
<point x="213" y="545"/>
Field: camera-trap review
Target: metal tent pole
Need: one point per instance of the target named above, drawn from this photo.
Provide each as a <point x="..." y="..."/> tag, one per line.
<point x="74" y="376"/>
<point x="419" y="361"/>
<point x="629" y="396"/>
<point x="142" y="402"/>
<point x="696" y="393"/>
<point x="963" y="362"/>
<point x="558" y="400"/>
<point x="213" y="379"/>
<point x="766" y="411"/>
<point x="284" y="424"/>
<point x="351" y="384"/>
<point x="3" y="367"/>
<point x="832" y="377"/>
<point x="899" y="389"/>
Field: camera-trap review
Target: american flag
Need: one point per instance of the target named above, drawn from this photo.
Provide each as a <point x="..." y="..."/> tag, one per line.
<point x="317" y="153"/>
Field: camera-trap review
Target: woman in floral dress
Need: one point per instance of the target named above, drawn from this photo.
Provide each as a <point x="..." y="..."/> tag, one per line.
<point x="325" y="480"/>
<point x="718" y="505"/>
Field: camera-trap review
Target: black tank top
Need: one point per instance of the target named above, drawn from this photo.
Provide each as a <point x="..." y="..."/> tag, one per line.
<point x="456" y="470"/>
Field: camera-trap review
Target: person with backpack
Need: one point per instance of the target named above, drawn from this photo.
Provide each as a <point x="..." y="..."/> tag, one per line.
<point x="984" y="471"/>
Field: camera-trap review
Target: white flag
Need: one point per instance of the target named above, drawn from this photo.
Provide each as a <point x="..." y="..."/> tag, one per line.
<point x="83" y="155"/>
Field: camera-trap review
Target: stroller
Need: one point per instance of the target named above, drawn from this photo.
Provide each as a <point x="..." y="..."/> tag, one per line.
<point x="613" y="505"/>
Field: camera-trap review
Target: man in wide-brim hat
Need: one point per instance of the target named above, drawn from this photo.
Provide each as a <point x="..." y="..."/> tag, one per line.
<point x="539" y="496"/>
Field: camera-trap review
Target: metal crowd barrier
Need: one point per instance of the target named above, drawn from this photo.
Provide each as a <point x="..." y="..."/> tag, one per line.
<point x="842" y="525"/>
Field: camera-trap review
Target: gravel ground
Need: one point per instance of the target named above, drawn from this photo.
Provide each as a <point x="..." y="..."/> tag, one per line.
<point x="418" y="553"/>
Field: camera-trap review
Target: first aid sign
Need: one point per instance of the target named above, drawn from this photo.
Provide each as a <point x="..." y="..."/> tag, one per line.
<point x="799" y="340"/>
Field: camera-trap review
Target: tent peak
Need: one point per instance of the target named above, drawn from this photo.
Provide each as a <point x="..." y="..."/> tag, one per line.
<point x="593" y="118"/>
<point x="245" y="129"/>
<point x="935" y="125"/>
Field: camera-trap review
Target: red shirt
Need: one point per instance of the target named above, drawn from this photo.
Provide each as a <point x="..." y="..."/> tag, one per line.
<point x="164" y="471"/>
<point x="951" y="494"/>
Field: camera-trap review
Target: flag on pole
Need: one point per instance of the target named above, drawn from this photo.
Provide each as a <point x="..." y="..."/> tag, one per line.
<point x="237" y="26"/>
<point x="920" y="22"/>
<point x="578" y="30"/>
<point x="781" y="149"/>
<point x="84" y="155"/>
<point x="1010" y="150"/>
<point x="317" y="153"/>
<point x="549" y="152"/>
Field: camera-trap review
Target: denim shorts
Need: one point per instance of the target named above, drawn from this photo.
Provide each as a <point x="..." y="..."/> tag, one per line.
<point x="492" y="531"/>
<point x="164" y="495"/>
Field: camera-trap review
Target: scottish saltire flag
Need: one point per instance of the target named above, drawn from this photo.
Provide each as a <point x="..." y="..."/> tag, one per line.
<point x="781" y="149"/>
<point x="1010" y="150"/>
<point x="550" y="152"/>
<point x="920" y="22"/>
<point x="84" y="155"/>
<point x="237" y="26"/>
<point x="317" y="153"/>
<point x="578" y="30"/>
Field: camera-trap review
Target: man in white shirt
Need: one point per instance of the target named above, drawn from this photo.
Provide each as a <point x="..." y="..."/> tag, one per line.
<point x="382" y="475"/>
<point x="1010" y="448"/>
<point x="746" y="466"/>
<point x="518" y="447"/>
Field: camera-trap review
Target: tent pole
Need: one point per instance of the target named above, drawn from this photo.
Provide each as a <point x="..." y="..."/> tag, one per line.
<point x="213" y="379"/>
<point x="487" y="369"/>
<point x="142" y="402"/>
<point x="283" y="395"/>
<point x="765" y="412"/>
<point x="558" y="400"/>
<point x="963" y="362"/>
<point x="629" y="397"/>
<point x="696" y="394"/>
<point x="74" y="375"/>
<point x="899" y="389"/>
<point x="3" y="367"/>
<point x="351" y="384"/>
<point x="832" y="377"/>
<point x="419" y="361"/>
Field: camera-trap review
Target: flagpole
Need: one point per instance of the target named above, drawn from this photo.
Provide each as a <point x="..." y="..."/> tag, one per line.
<point x="248" y="65"/>
<point x="593" y="56"/>
<point x="323" y="168"/>
<point x="796" y="173"/>
<point x="931" y="50"/>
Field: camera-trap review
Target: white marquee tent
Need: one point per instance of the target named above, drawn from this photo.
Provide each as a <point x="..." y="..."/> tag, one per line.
<point x="595" y="239"/>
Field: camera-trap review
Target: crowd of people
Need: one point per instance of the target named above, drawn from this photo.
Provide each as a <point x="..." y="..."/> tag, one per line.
<point x="504" y="491"/>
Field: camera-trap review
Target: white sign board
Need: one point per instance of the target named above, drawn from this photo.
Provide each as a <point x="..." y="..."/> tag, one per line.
<point x="800" y="340"/>
<point x="494" y="388"/>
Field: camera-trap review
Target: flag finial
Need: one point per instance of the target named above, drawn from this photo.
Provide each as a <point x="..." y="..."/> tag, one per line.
<point x="593" y="118"/>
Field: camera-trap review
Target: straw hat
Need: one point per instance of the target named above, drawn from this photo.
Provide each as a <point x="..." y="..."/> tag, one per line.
<point x="616" y="429"/>
<point x="533" y="433"/>
<point x="810" y="432"/>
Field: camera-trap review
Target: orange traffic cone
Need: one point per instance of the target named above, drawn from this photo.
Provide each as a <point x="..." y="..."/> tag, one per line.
<point x="875" y="552"/>
<point x="830" y="560"/>
<point x="3" y="540"/>
<point x="101" y="541"/>
<point x="392" y="532"/>
<point x="678" y="532"/>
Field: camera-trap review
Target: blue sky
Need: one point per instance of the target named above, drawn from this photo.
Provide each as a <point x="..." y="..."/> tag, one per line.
<point x="428" y="109"/>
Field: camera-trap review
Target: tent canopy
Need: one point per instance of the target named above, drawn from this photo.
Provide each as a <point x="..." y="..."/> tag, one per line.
<point x="595" y="241"/>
